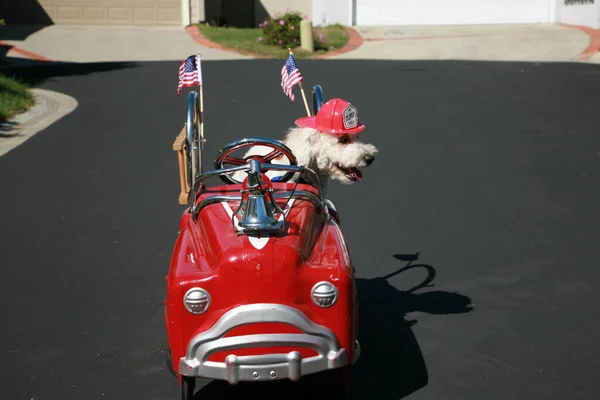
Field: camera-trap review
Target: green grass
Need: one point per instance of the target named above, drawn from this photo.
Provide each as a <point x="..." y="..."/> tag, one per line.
<point x="15" y="97"/>
<point x="244" y="40"/>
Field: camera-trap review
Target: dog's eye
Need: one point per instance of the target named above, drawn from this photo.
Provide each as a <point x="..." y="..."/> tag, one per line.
<point x="344" y="139"/>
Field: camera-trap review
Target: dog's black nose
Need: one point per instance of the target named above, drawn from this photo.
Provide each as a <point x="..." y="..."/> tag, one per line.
<point x="369" y="159"/>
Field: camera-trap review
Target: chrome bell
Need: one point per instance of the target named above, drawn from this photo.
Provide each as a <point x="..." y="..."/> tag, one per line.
<point x="257" y="215"/>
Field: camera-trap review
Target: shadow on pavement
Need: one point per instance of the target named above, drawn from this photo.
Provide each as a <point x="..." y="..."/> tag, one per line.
<point x="391" y="365"/>
<point x="24" y="19"/>
<point x="20" y="31"/>
<point x="7" y="126"/>
<point x="34" y="73"/>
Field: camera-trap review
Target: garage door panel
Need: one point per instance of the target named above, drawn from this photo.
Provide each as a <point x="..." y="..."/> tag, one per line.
<point x="94" y="14"/>
<point x="114" y="12"/>
<point x="416" y="12"/>
<point x="169" y="14"/>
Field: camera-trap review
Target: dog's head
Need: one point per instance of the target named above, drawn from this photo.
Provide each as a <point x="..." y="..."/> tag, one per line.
<point x="339" y="157"/>
<point x="330" y="142"/>
<point x="344" y="155"/>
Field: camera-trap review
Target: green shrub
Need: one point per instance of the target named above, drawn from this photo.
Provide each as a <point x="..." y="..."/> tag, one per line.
<point x="319" y="41"/>
<point x="282" y="31"/>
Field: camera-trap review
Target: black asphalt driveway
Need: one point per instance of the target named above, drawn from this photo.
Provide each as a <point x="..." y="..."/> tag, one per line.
<point x="487" y="186"/>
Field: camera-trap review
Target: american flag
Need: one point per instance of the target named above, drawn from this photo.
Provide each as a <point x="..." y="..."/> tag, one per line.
<point x="290" y="75"/>
<point x="190" y="73"/>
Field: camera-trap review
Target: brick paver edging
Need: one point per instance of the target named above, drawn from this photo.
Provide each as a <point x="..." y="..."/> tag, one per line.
<point x="203" y="41"/>
<point x="23" y="52"/>
<point x="594" y="45"/>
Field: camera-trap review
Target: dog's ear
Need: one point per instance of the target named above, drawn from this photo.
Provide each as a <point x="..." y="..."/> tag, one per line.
<point x="300" y="140"/>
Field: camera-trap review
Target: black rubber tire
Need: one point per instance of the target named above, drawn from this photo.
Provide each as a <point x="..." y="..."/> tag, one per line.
<point x="343" y="383"/>
<point x="187" y="388"/>
<point x="169" y="362"/>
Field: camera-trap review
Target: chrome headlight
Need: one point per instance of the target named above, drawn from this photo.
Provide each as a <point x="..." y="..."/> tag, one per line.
<point x="324" y="294"/>
<point x="196" y="300"/>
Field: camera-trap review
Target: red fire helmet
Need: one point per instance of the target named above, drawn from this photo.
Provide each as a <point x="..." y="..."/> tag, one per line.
<point x="337" y="116"/>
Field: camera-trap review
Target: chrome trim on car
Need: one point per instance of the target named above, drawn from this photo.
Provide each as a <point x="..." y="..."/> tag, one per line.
<point x="262" y="367"/>
<point x="356" y="351"/>
<point x="213" y="200"/>
<point x="260" y="204"/>
<point x="263" y="167"/>
<point x="302" y="194"/>
<point x="201" y="300"/>
<point x="297" y="194"/>
<point x="325" y="291"/>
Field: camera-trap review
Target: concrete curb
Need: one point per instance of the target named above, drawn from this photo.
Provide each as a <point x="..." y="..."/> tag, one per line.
<point x="49" y="107"/>
<point x="354" y="42"/>
<point x="593" y="47"/>
<point x="26" y="53"/>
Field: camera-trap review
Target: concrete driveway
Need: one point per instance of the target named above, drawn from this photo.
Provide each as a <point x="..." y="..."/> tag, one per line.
<point x="107" y="43"/>
<point x="542" y="42"/>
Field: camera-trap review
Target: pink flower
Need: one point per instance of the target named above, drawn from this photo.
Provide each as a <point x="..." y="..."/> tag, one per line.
<point x="280" y="41"/>
<point x="306" y="17"/>
<point x="282" y="22"/>
<point x="294" y="40"/>
<point x="265" y="23"/>
<point x="321" y="36"/>
<point x="259" y="39"/>
<point x="292" y="27"/>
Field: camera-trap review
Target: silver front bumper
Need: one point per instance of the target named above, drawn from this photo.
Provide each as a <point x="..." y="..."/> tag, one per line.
<point x="263" y="367"/>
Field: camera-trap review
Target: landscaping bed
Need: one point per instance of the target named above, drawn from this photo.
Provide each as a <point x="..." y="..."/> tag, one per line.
<point x="15" y="97"/>
<point x="273" y="37"/>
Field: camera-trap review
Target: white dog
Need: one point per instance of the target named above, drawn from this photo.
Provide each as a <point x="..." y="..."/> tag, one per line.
<point x="326" y="143"/>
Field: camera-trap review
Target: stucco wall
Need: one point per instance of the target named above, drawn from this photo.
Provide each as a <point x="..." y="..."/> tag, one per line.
<point x="579" y="12"/>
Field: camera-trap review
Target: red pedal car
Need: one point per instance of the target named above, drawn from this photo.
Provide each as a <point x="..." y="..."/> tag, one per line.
<point x="260" y="284"/>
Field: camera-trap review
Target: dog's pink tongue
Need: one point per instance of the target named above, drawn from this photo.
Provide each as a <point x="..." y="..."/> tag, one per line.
<point x="355" y="172"/>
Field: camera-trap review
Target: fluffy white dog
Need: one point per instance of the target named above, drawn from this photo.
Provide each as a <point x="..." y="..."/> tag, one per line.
<point x="326" y="143"/>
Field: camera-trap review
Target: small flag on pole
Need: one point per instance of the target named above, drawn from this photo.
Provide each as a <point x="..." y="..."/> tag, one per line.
<point x="290" y="75"/>
<point x="190" y="73"/>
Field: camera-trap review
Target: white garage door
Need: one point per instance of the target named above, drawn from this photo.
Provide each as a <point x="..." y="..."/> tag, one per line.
<point x="114" y="12"/>
<point x="450" y="12"/>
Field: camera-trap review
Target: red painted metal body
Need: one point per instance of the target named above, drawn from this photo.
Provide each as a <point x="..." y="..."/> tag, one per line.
<point x="208" y="253"/>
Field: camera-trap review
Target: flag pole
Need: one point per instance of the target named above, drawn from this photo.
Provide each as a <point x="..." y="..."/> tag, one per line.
<point x="304" y="97"/>
<point x="200" y="87"/>
<point x="302" y="90"/>
<point x="201" y="116"/>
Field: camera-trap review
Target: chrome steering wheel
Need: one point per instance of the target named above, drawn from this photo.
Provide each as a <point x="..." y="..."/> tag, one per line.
<point x="278" y="149"/>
